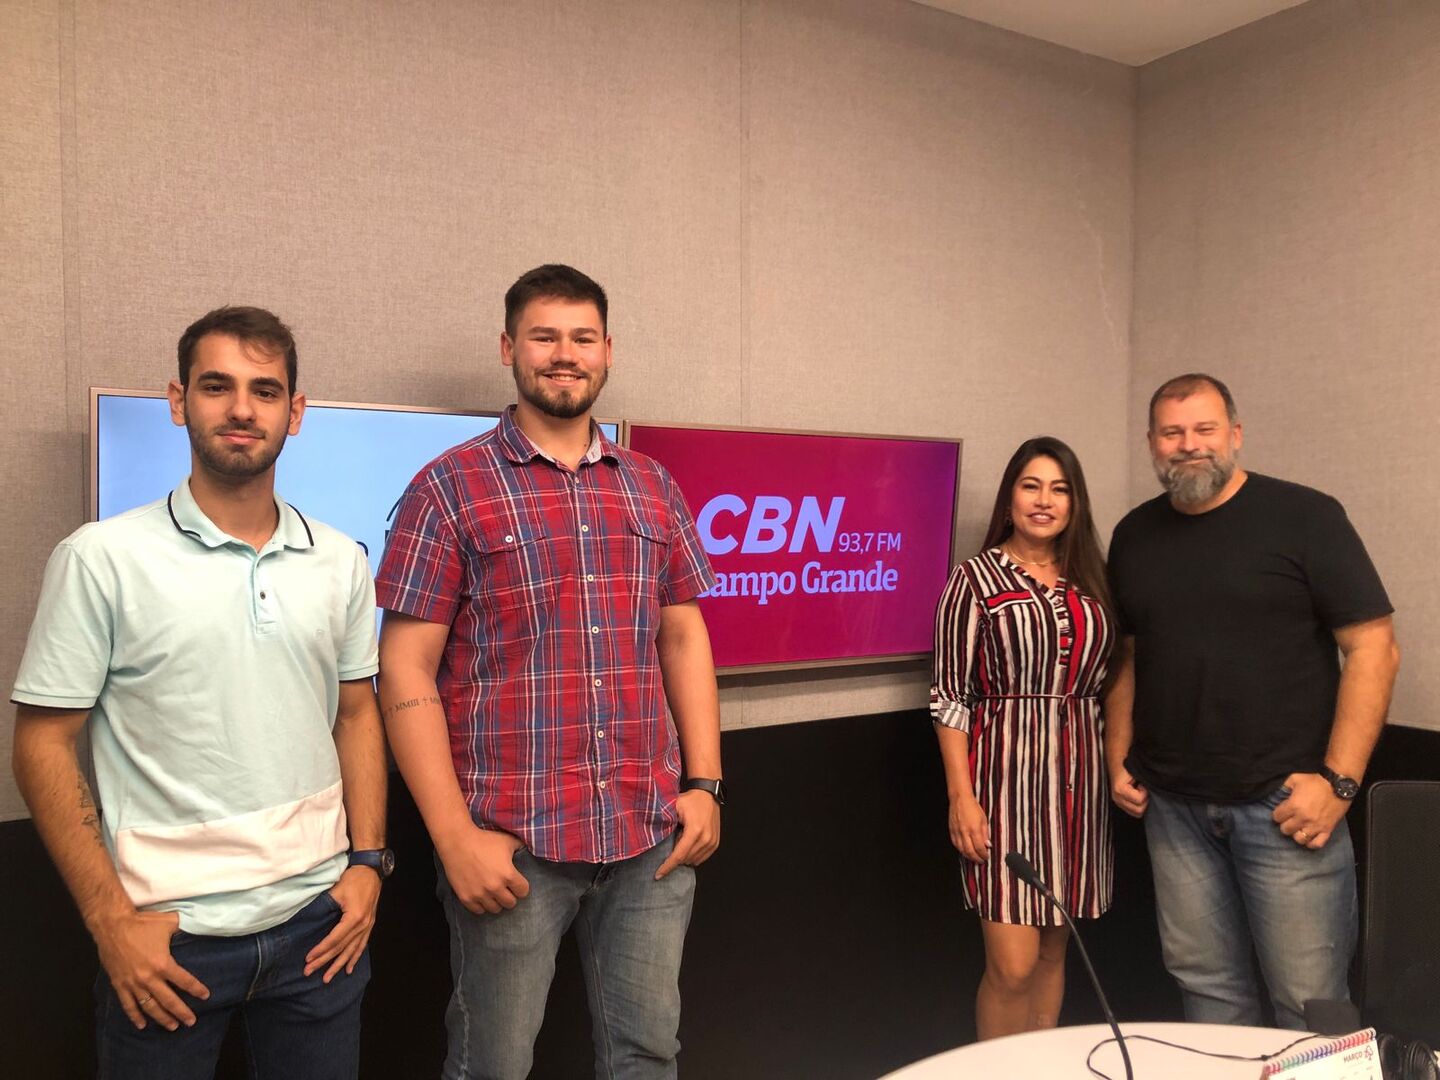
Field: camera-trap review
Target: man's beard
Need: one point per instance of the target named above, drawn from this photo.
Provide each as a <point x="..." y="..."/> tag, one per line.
<point x="236" y="465"/>
<point x="557" y="402"/>
<point x="1193" y="485"/>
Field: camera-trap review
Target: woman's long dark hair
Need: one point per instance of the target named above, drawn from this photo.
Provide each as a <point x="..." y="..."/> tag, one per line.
<point x="1078" y="547"/>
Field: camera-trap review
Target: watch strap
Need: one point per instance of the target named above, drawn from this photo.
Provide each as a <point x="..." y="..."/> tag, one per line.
<point x="715" y="787"/>
<point x="381" y="860"/>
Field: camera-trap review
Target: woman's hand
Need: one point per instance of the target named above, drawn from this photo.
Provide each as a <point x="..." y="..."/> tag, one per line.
<point x="969" y="828"/>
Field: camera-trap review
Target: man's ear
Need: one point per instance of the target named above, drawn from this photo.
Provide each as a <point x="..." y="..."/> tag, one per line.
<point x="507" y="350"/>
<point x="297" y="412"/>
<point x="176" y="393"/>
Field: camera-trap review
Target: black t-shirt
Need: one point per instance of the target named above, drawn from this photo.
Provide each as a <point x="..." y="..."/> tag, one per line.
<point x="1232" y="612"/>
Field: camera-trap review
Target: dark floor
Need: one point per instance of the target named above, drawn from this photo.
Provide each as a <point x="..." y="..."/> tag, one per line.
<point x="827" y="941"/>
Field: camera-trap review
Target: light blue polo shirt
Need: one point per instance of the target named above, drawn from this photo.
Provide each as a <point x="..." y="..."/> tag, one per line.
<point x="211" y="672"/>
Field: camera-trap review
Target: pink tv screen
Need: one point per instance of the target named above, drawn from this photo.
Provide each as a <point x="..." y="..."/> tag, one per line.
<point x="825" y="547"/>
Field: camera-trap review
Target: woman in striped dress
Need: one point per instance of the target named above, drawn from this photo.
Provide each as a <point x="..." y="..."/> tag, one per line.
<point x="1022" y="636"/>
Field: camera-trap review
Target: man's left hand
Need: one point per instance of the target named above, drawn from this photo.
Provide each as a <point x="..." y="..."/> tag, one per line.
<point x="358" y="894"/>
<point x="699" y="816"/>
<point x="1311" y="812"/>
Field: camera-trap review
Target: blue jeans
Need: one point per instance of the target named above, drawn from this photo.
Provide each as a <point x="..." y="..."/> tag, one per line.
<point x="1227" y="878"/>
<point x="296" y="1028"/>
<point x="631" y="931"/>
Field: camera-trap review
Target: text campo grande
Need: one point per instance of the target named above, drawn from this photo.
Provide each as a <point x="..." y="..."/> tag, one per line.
<point x="813" y="578"/>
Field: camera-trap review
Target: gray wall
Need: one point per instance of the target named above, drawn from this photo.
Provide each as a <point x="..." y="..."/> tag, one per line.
<point x="1287" y="239"/>
<point x="837" y="214"/>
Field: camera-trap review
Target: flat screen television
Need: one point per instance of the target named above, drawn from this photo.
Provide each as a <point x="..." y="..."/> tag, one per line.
<point x="828" y="548"/>
<point x="347" y="467"/>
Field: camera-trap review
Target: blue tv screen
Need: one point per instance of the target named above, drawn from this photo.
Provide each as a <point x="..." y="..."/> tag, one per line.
<point x="347" y="467"/>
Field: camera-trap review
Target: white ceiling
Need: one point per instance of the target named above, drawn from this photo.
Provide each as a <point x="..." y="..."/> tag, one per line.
<point x="1130" y="31"/>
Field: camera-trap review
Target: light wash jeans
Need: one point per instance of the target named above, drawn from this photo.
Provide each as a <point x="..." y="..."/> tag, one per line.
<point x="296" y="1027"/>
<point x="1226" y="877"/>
<point x="631" y="932"/>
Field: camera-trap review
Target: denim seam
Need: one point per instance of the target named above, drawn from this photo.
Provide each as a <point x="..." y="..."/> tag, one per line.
<point x="459" y="912"/>
<point x="104" y="1047"/>
<point x="603" y="1016"/>
<point x="259" y="967"/>
<point x="249" y="1044"/>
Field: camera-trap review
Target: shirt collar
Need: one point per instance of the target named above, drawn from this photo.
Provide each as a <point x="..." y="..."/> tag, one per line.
<point x="291" y="530"/>
<point x="519" y="449"/>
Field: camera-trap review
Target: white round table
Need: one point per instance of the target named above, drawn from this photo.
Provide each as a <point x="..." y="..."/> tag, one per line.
<point x="1059" y="1054"/>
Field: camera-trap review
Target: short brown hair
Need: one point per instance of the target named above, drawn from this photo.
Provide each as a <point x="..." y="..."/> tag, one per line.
<point x="553" y="281"/>
<point x="1182" y="386"/>
<point x="251" y="325"/>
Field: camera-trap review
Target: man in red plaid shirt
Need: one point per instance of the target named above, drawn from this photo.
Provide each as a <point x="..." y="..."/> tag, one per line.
<point x="539" y="588"/>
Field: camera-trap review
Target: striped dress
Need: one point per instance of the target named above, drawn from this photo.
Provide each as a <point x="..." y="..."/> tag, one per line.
<point x="1019" y="666"/>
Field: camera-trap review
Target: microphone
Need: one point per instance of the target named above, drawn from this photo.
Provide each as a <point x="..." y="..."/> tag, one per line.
<point x="1021" y="868"/>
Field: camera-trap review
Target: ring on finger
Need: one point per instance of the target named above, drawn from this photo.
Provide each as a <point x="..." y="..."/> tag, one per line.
<point x="145" y="1000"/>
<point x="1300" y="833"/>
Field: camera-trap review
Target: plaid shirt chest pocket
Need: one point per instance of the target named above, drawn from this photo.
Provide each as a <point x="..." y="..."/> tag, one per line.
<point x="631" y="562"/>
<point x="514" y="565"/>
<point x="645" y="537"/>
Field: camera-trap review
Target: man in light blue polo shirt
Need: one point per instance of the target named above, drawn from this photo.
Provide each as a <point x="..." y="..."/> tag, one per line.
<point x="220" y="646"/>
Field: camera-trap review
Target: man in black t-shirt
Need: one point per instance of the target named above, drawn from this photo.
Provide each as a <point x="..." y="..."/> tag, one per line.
<point x="1231" y="725"/>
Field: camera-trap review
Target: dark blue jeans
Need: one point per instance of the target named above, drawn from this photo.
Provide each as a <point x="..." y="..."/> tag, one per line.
<point x="296" y="1028"/>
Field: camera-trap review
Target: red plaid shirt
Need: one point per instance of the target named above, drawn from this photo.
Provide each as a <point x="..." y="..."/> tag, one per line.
<point x="552" y="583"/>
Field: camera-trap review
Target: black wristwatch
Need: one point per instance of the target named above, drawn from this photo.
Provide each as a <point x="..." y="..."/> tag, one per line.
<point x="715" y="787"/>
<point x="381" y="860"/>
<point x="1343" y="786"/>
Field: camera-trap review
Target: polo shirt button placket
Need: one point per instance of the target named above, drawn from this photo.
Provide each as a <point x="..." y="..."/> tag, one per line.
<point x="265" y="622"/>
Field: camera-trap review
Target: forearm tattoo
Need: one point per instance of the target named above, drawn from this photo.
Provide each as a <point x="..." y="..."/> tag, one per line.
<point x="89" y="815"/>
<point x="412" y="703"/>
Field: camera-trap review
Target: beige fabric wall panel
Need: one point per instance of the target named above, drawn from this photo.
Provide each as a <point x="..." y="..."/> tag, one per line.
<point x="938" y="242"/>
<point x="835" y="215"/>
<point x="39" y="438"/>
<point x="380" y="172"/>
<point x="938" y="235"/>
<point x="1288" y="240"/>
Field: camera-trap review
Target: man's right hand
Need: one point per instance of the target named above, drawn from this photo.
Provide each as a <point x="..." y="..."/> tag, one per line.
<point x="135" y="952"/>
<point x="1128" y="793"/>
<point x="480" y="866"/>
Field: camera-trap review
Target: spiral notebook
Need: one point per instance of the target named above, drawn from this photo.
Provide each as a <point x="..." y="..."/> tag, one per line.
<point x="1350" y="1057"/>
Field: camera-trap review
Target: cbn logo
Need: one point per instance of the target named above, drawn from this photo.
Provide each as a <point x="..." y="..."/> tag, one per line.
<point x="768" y="524"/>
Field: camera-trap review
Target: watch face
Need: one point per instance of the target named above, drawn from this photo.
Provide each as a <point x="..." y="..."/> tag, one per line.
<point x="1345" y="787"/>
<point x="387" y="863"/>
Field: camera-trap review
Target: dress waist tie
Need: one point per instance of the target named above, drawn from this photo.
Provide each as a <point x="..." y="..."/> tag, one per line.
<point x="1043" y="697"/>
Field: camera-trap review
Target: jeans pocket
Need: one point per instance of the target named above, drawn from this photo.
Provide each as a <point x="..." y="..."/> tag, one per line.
<point x="1276" y="797"/>
<point x="323" y="906"/>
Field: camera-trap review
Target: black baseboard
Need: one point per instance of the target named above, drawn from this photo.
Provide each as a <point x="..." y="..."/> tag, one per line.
<point x="828" y="938"/>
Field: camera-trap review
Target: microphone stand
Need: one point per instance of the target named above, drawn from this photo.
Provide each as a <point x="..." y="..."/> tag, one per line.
<point x="1021" y="868"/>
